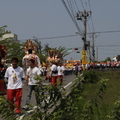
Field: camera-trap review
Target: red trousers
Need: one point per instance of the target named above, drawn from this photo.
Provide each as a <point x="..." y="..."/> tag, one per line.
<point x="15" y="94"/>
<point x="54" y="80"/>
<point x="60" y="78"/>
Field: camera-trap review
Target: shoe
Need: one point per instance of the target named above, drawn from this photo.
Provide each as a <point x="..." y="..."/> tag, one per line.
<point x="36" y="107"/>
<point x="18" y="114"/>
<point x="26" y="107"/>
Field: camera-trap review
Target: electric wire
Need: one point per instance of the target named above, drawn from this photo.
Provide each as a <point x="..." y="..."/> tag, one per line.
<point x="72" y="17"/>
<point x="74" y="35"/>
<point x="72" y="8"/>
<point x="79" y="22"/>
<point x="91" y="15"/>
<point x="82" y="5"/>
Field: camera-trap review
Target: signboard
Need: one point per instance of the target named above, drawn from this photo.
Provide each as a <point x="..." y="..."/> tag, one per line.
<point x="84" y="57"/>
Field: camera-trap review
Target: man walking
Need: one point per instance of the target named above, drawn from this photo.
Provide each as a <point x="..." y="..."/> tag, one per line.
<point x="31" y="72"/>
<point x="61" y="70"/>
<point x="14" y="74"/>
<point x="54" y="73"/>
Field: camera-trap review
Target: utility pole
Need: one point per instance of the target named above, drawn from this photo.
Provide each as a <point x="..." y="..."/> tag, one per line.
<point x="85" y="15"/>
<point x="97" y="53"/>
<point x="82" y="15"/>
<point x="93" y="47"/>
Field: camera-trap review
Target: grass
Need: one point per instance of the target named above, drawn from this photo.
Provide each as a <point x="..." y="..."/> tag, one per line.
<point x="106" y="104"/>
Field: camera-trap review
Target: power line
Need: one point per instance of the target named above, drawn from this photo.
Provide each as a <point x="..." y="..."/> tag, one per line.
<point x="64" y="36"/>
<point x="82" y="5"/>
<point x="108" y="49"/>
<point x="71" y="13"/>
<point x="55" y="37"/>
<point x="91" y="16"/>
<point x="106" y="31"/>
<point x="107" y="45"/>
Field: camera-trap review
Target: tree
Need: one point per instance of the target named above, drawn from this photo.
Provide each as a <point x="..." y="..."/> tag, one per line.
<point x="38" y="45"/>
<point x="63" y="50"/>
<point x="46" y="49"/>
<point x="2" y="30"/>
<point x="107" y="59"/>
<point x="14" y="48"/>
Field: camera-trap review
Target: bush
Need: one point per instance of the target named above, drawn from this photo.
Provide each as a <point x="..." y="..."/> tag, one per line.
<point x="91" y="76"/>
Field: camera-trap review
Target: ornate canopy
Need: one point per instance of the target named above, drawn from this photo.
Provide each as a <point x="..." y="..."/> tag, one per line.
<point x="29" y="45"/>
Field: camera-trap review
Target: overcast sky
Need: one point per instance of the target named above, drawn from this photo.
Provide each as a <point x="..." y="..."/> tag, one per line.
<point x="49" y="18"/>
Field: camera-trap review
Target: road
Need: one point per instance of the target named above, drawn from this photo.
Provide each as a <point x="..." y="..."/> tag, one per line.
<point x="67" y="82"/>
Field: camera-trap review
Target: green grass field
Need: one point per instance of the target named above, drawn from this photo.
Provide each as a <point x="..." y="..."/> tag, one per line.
<point x="106" y="103"/>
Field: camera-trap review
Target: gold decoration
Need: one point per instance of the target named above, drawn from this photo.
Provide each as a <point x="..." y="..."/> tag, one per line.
<point x="29" y="45"/>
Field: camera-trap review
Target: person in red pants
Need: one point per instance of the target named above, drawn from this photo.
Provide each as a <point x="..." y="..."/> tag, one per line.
<point x="61" y="70"/>
<point x="14" y="75"/>
<point x="54" y="73"/>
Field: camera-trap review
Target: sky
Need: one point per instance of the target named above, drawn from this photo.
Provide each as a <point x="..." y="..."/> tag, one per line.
<point x="50" y="22"/>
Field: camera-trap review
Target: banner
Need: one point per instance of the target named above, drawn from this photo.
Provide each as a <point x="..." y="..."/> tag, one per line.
<point x="84" y="57"/>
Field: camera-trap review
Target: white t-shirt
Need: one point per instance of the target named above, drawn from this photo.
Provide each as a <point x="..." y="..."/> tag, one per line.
<point x="54" y="68"/>
<point x="32" y="72"/>
<point x="60" y="70"/>
<point x="31" y="56"/>
<point x="14" y="77"/>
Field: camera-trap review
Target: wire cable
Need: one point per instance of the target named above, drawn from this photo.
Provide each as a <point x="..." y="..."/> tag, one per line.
<point x="72" y="17"/>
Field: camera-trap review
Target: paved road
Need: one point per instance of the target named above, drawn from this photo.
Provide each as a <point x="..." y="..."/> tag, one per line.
<point x="67" y="82"/>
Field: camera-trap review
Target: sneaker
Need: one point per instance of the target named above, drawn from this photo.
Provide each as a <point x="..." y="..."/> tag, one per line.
<point x="36" y="107"/>
<point x="26" y="107"/>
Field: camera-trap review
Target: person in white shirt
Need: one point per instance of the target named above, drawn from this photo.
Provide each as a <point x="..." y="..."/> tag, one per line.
<point x="14" y="74"/>
<point x="31" y="72"/>
<point x="60" y="69"/>
<point x="54" y="73"/>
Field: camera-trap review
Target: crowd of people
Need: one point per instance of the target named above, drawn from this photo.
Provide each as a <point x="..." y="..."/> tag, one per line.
<point x="15" y="76"/>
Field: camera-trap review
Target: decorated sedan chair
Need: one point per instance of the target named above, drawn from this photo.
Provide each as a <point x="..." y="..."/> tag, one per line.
<point x="30" y="53"/>
<point x="53" y="55"/>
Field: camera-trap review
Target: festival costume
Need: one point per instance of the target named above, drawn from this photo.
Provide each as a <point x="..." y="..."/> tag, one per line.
<point x="54" y="75"/>
<point x="60" y="73"/>
<point x="14" y="88"/>
<point x="28" y="57"/>
<point x="54" y="56"/>
<point x="30" y="45"/>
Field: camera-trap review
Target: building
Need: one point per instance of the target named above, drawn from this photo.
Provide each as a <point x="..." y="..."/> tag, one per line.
<point x="116" y="58"/>
<point x="10" y="35"/>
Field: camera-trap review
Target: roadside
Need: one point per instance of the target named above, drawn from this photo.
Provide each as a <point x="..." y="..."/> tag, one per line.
<point x="67" y="83"/>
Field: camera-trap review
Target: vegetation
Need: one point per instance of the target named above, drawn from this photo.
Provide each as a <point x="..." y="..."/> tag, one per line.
<point x="15" y="48"/>
<point x="94" y="96"/>
<point x="85" y="101"/>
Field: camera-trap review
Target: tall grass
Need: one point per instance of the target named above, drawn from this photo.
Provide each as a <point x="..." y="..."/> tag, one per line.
<point x="94" y="96"/>
<point x="106" y="101"/>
